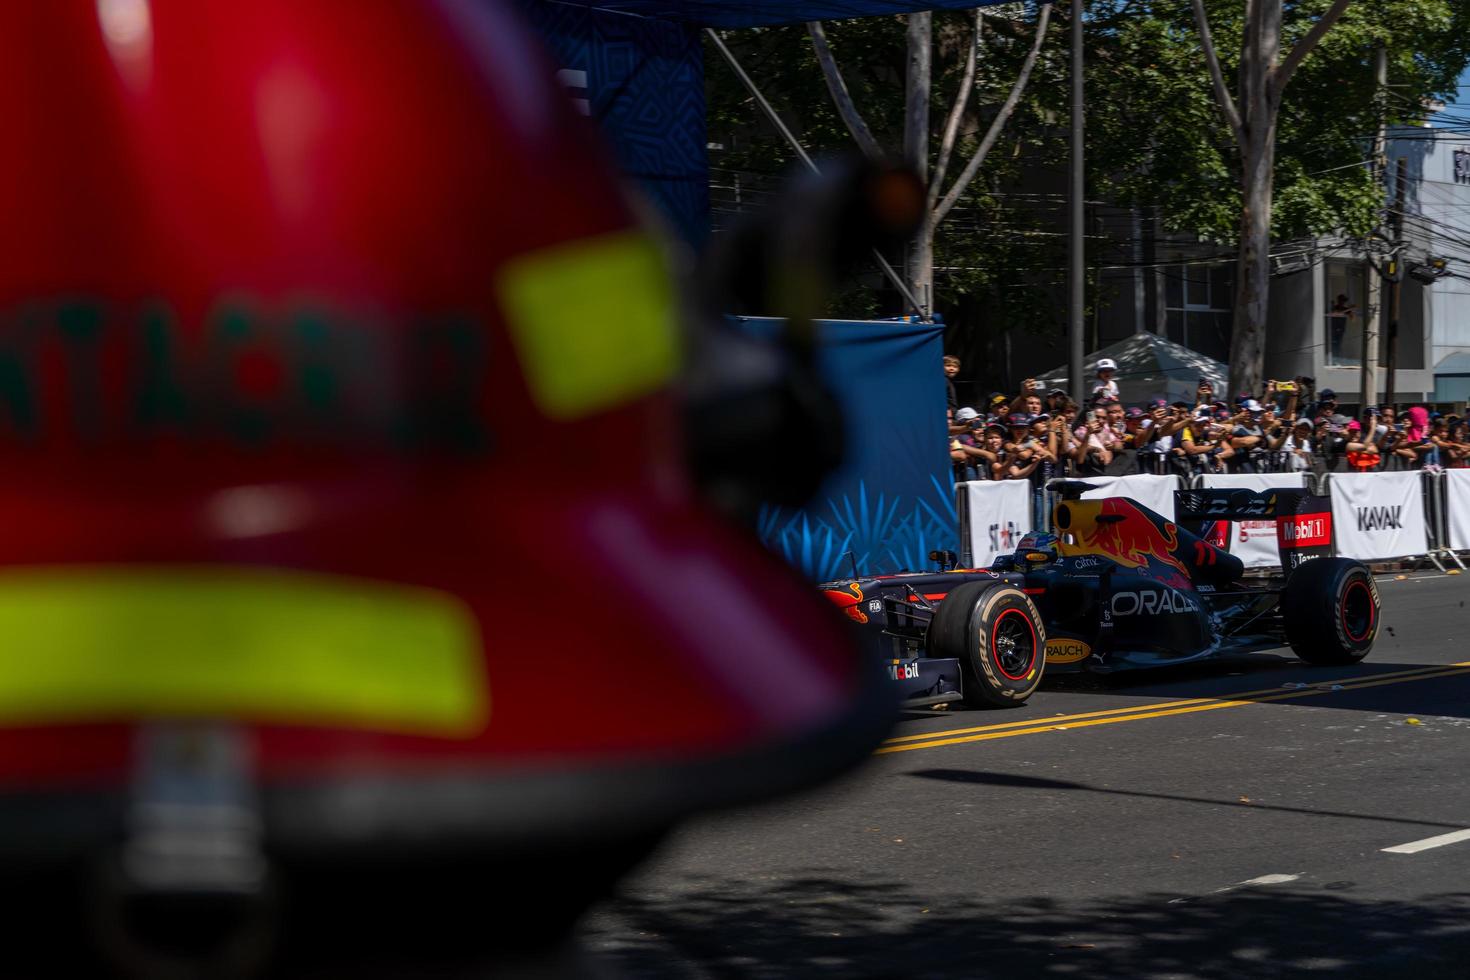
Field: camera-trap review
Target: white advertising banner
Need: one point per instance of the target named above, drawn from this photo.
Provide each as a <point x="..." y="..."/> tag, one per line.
<point x="999" y="514"/>
<point x="1154" y="492"/>
<point x="1379" y="515"/>
<point x="1254" y="542"/>
<point x="1457" y="508"/>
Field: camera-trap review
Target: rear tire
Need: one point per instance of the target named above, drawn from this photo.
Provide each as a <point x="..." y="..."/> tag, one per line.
<point x="1331" y="610"/>
<point x="995" y="632"/>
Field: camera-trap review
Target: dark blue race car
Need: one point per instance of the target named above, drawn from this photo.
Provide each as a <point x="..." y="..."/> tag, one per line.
<point x="1116" y="586"/>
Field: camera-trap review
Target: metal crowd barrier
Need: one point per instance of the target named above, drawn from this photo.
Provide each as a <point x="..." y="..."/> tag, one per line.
<point x="1437" y="549"/>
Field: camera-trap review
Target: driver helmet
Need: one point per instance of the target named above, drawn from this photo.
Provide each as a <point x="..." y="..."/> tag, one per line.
<point x="305" y="352"/>
<point x="1038" y="542"/>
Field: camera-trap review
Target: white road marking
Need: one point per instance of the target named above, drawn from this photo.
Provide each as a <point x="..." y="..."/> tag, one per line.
<point x="1262" y="880"/>
<point x="1415" y="846"/>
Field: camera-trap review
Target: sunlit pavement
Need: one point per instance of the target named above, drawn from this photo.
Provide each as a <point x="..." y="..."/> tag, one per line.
<point x="1244" y="819"/>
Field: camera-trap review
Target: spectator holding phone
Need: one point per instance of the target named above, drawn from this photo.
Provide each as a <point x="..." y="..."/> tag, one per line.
<point x="1092" y="453"/>
<point x="1029" y="399"/>
<point x="1204" y="394"/>
<point x="1200" y="444"/>
<point x="1157" y="435"/>
<point x="1282" y="398"/>
<point x="1248" y="437"/>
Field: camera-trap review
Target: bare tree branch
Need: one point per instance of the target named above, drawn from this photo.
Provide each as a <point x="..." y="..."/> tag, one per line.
<point x="952" y="124"/>
<point x="1001" y="117"/>
<point x="1222" y="94"/>
<point x="840" y="95"/>
<point x="1304" y="47"/>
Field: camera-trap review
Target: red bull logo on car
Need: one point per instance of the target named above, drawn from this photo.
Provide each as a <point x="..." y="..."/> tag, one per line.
<point x="1119" y="529"/>
<point x="849" y="601"/>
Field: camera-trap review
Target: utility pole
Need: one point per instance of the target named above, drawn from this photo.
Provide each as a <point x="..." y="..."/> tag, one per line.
<point x="1373" y="320"/>
<point x="1077" y="280"/>
<point x="1395" y="277"/>
<point x="918" y="74"/>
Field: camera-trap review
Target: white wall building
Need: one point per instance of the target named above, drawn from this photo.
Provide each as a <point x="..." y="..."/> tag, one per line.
<point x="1437" y="223"/>
<point x="1434" y="323"/>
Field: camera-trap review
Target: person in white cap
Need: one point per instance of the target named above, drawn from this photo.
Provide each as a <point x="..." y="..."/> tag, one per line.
<point x="1106" y="386"/>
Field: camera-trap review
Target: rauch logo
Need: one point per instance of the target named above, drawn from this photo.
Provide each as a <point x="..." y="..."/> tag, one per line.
<point x="1380" y="518"/>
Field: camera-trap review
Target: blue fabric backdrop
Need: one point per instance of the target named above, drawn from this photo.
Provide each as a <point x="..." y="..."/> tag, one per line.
<point x="642" y="67"/>
<point x="893" y="500"/>
<point x="643" y="81"/>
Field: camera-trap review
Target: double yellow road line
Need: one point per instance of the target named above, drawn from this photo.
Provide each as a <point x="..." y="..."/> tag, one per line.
<point x="1088" y="719"/>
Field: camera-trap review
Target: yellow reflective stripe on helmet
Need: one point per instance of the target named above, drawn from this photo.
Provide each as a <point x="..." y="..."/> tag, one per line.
<point x="593" y="321"/>
<point x="116" y="643"/>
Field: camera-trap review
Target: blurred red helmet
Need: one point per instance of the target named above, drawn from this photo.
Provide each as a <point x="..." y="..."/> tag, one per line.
<point x="335" y="405"/>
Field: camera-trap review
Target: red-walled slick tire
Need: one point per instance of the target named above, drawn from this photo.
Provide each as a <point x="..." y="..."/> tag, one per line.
<point x="995" y="632"/>
<point x="1331" y="611"/>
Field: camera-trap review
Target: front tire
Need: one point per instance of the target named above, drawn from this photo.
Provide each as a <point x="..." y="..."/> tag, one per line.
<point x="995" y="632"/>
<point x="1331" y="610"/>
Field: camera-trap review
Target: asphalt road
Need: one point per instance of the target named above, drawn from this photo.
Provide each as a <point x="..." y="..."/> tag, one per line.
<point x="1220" y="821"/>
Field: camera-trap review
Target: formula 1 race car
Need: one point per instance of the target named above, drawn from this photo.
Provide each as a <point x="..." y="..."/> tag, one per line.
<point x="1115" y="587"/>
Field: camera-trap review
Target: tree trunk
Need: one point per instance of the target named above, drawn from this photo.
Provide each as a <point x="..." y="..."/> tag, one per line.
<point x="1263" y="78"/>
<point x="916" y="93"/>
<point x="920" y="271"/>
<point x="917" y="82"/>
<point x="1253" y="270"/>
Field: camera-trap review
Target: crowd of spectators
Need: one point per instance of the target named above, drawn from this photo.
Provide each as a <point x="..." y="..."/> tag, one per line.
<point x="1039" y="434"/>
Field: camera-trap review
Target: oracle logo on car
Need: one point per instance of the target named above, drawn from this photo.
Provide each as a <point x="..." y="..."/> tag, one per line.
<point x="1151" y="602"/>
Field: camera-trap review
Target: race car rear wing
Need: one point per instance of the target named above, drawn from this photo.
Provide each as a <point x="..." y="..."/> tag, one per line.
<point x="1303" y="519"/>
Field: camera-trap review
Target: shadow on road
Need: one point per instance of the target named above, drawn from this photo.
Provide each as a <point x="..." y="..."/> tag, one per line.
<point x="981" y="778"/>
<point x="819" y="926"/>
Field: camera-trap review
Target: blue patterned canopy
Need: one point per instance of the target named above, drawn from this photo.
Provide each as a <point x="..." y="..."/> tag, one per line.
<point x="758" y="13"/>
